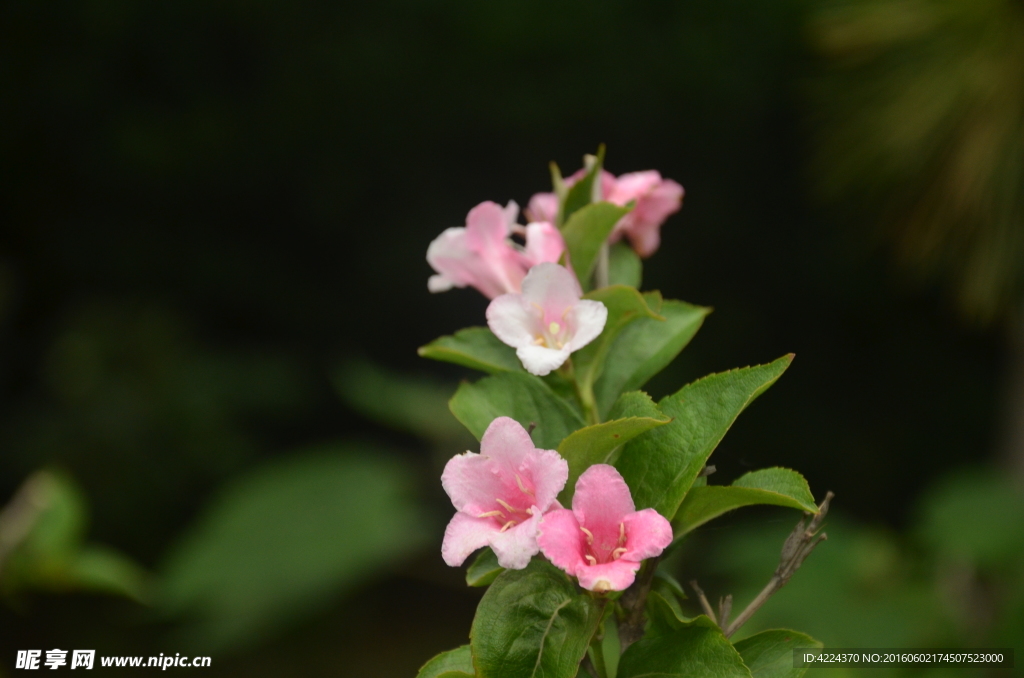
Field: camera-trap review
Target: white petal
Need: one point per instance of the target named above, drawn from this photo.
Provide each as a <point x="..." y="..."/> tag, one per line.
<point x="464" y="535"/>
<point x="552" y="287"/>
<point x="511" y="320"/>
<point x="589" y="317"/>
<point x="439" y="283"/>
<point x="540" y="360"/>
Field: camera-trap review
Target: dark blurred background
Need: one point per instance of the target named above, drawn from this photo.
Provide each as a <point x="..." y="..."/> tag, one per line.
<point x="212" y="283"/>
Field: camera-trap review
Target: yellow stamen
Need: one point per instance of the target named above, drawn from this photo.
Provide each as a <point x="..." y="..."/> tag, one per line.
<point x="590" y="535"/>
<point x="507" y="525"/>
<point x="519" y="482"/>
<point x="554" y="328"/>
<point x="539" y="341"/>
<point x="618" y="553"/>
<point x="591" y="559"/>
<point x="508" y="507"/>
<point x="490" y="514"/>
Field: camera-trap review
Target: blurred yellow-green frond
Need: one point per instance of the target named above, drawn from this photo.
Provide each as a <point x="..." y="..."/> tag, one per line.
<point x="920" y="119"/>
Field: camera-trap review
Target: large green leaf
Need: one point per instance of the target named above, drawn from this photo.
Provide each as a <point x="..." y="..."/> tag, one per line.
<point x="624" y="266"/>
<point x="585" y="232"/>
<point x="595" y="444"/>
<point x="774" y="486"/>
<point x="646" y="347"/>
<point x="451" y="664"/>
<point x="694" y="649"/>
<point x="769" y="654"/>
<point x="661" y="466"/>
<point x="484" y="569"/>
<point x="519" y="395"/>
<point x="625" y="305"/>
<point x="532" y="623"/>
<point x="581" y="193"/>
<point x="475" y="347"/>
<point x="278" y="542"/>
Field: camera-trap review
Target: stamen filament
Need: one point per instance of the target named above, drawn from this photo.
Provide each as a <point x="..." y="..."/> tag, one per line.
<point x="618" y="553"/>
<point x="622" y="533"/>
<point x="507" y="525"/>
<point x="491" y="514"/>
<point x="509" y="507"/>
<point x="591" y="559"/>
<point x="519" y="482"/>
<point x="590" y="535"/>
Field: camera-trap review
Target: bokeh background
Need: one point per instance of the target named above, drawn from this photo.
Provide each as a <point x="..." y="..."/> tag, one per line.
<point x="216" y="436"/>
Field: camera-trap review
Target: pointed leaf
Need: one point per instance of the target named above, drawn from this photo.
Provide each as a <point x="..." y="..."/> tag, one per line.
<point x="532" y="623"/>
<point x="484" y="569"/>
<point x="697" y="648"/>
<point x="581" y="193"/>
<point x="451" y="664"/>
<point x="774" y="486"/>
<point x="646" y="347"/>
<point x="661" y="466"/>
<point x="595" y="444"/>
<point x="624" y="266"/>
<point x="585" y="232"/>
<point x="664" y="613"/>
<point x="769" y="654"/>
<point x="474" y="347"/>
<point x="519" y="395"/>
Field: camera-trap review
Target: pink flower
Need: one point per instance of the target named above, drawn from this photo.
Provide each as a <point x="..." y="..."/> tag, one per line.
<point x="603" y="538"/>
<point x="548" y="321"/>
<point x="500" y="495"/>
<point x="482" y="255"/>
<point x="656" y="199"/>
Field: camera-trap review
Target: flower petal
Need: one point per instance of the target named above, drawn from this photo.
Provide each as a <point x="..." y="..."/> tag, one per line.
<point x="514" y="547"/>
<point x="543" y="207"/>
<point x="540" y="360"/>
<point x="561" y="540"/>
<point x="602" y="499"/>
<point x="512" y="321"/>
<point x="551" y="287"/>
<point x="472" y="482"/>
<point x="614" y="576"/>
<point x="464" y="535"/>
<point x="548" y="472"/>
<point x="487" y="227"/>
<point x="507" y="442"/>
<point x="544" y="243"/>
<point x="648" y="533"/>
<point x="588" y="320"/>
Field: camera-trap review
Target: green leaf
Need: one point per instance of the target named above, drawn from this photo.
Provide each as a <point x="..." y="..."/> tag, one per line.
<point x="774" y="486"/>
<point x="661" y="466"/>
<point x="625" y="305"/>
<point x="585" y="232"/>
<point x="624" y="266"/>
<point x="769" y="654"/>
<point x="451" y="664"/>
<point x="581" y="193"/>
<point x="697" y="648"/>
<point x="474" y="347"/>
<point x="664" y="613"/>
<point x="532" y="623"/>
<point x="278" y="542"/>
<point x="596" y="444"/>
<point x="484" y="569"/>
<point x="98" y="568"/>
<point x="646" y="347"/>
<point x="519" y="395"/>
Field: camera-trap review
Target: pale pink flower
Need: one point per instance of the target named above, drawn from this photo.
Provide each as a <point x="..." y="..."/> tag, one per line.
<point x="482" y="255"/>
<point x="548" y="321"/>
<point x="656" y="199"/>
<point x="603" y="539"/>
<point x="500" y="495"/>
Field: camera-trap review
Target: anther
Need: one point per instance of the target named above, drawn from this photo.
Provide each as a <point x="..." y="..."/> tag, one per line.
<point x="554" y="328"/>
<point x="591" y="559"/>
<point x="507" y="525"/>
<point x="491" y="514"/>
<point x="618" y="553"/>
<point x="590" y="535"/>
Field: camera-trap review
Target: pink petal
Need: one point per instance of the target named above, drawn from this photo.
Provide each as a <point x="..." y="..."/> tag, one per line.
<point x="507" y="442"/>
<point x="512" y="321"/>
<point x="514" y="547"/>
<point x="457" y="265"/>
<point x="648" y="533"/>
<point x="544" y="243"/>
<point x="602" y="500"/>
<point x="588" y="319"/>
<point x="541" y="360"/>
<point x="552" y="288"/>
<point x="561" y="540"/>
<point x="487" y="227"/>
<point x="614" y="576"/>
<point x="464" y="535"/>
<point x="633" y="185"/>
<point x="548" y="472"/>
<point x="472" y="481"/>
<point x="543" y="207"/>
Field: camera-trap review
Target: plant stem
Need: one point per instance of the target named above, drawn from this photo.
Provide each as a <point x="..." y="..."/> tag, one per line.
<point x="631" y="627"/>
<point x="584" y="392"/>
<point x="602" y="270"/>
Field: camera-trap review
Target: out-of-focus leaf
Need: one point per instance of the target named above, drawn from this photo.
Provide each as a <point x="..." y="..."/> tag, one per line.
<point x="484" y="569"/>
<point x="661" y="466"/>
<point x="624" y="266"/>
<point x="646" y="347"/>
<point x="580" y="194"/>
<point x="411" y="404"/>
<point x="585" y="232"/>
<point x="697" y="648"/>
<point x="519" y="395"/>
<point x="279" y="541"/>
<point x="531" y="623"/>
<point x="97" y="568"/>
<point x="595" y="444"/>
<point x="475" y="347"/>
<point x="774" y="486"/>
<point x="769" y="654"/>
<point x="451" y="664"/>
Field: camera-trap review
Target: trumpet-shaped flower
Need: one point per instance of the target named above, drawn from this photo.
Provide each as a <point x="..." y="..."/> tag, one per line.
<point x="603" y="539"/>
<point x="482" y="255"/>
<point x="548" y="321"/>
<point x="656" y="199"/>
<point x="500" y="495"/>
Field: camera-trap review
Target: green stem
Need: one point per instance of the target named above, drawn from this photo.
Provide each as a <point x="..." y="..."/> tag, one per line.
<point x="601" y="271"/>
<point x="597" y="655"/>
<point x="584" y="392"/>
